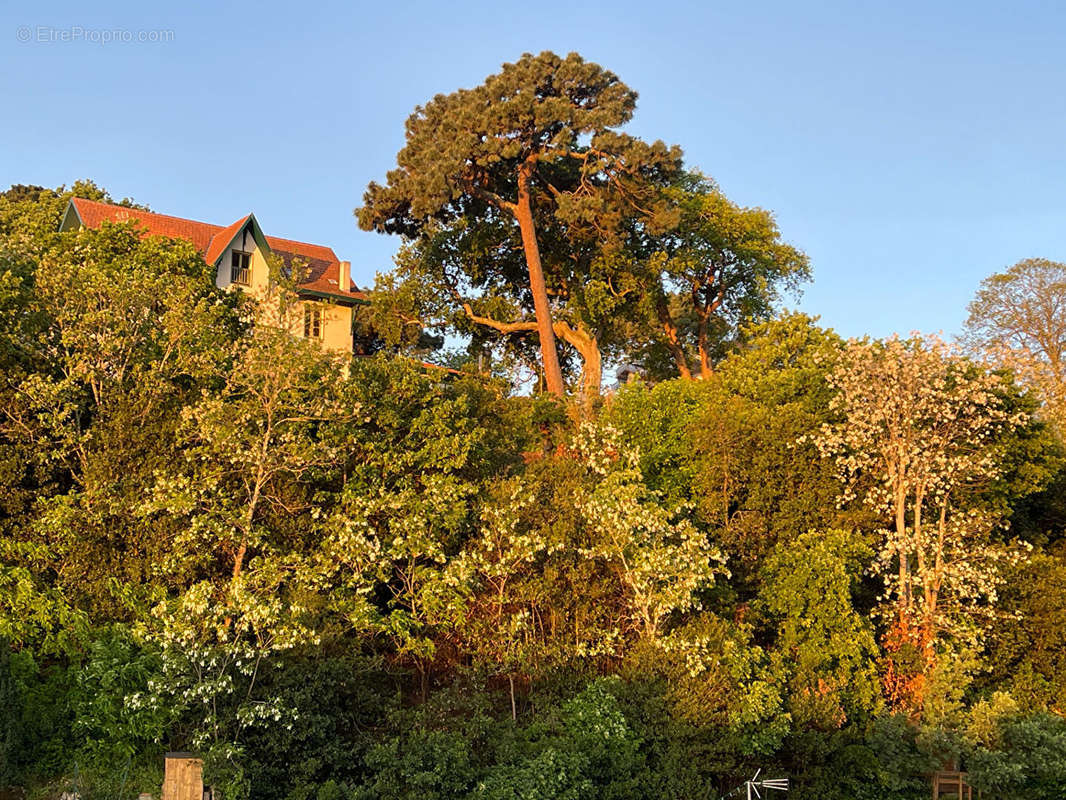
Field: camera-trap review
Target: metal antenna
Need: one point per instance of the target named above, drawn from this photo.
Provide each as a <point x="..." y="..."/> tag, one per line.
<point x="781" y="784"/>
<point x="752" y="786"/>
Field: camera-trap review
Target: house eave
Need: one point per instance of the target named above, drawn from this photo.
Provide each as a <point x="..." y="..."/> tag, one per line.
<point x="340" y="299"/>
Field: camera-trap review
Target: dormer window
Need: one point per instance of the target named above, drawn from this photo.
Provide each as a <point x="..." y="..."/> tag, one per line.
<point x="312" y="322"/>
<point x="240" y="268"/>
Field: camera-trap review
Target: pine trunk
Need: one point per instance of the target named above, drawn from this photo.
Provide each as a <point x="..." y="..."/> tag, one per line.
<point x="523" y="211"/>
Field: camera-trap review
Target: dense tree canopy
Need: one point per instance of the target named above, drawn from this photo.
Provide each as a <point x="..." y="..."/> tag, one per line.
<point x="640" y="259"/>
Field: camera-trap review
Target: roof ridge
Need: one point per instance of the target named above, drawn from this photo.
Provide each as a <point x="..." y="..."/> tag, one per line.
<point x="151" y="213"/>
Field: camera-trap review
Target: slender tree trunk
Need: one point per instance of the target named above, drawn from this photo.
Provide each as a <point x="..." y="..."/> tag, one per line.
<point x="673" y="341"/>
<point x="919" y="549"/>
<point x="523" y="211"/>
<point x="238" y="560"/>
<point x="932" y="592"/>
<point x="706" y="370"/>
<point x="253" y="503"/>
<point x="901" y="530"/>
<point x="514" y="707"/>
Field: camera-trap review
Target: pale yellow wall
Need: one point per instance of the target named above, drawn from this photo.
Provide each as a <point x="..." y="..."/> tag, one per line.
<point x="336" y="325"/>
<point x="337" y="328"/>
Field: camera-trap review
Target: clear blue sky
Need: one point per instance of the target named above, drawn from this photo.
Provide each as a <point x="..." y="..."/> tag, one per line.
<point x="911" y="148"/>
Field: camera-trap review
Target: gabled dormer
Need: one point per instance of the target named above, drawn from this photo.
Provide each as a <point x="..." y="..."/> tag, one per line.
<point x="239" y="254"/>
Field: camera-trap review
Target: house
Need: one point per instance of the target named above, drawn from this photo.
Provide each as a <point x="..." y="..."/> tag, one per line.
<point x="238" y="254"/>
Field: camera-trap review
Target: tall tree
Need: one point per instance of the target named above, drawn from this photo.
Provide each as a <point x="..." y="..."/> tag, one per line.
<point x="714" y="269"/>
<point x="536" y="135"/>
<point x="1020" y="317"/>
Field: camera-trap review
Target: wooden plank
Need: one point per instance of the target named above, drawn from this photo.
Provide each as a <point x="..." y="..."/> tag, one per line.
<point x="183" y="777"/>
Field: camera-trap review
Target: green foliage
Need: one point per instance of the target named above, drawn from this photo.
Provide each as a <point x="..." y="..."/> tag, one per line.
<point x="540" y="104"/>
<point x="582" y="747"/>
<point x="11" y="702"/>
<point x="825" y="650"/>
<point x="547" y="775"/>
<point x="902" y="766"/>
<point x="717" y="270"/>
<point x="42" y="744"/>
<point x="134" y="327"/>
<point x="335" y="701"/>
<point x="1027" y="646"/>
<point x="736" y="446"/>
<point x="420" y="764"/>
<point x="112" y="730"/>
<point x="658" y="420"/>
<point x="1024" y="757"/>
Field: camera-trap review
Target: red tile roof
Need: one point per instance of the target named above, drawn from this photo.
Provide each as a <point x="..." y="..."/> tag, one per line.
<point x="211" y="240"/>
<point x="221" y="240"/>
<point x="93" y="213"/>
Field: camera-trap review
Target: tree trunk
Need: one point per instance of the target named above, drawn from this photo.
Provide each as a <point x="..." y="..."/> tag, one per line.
<point x="514" y="707"/>
<point x="588" y="347"/>
<point x="706" y="370"/>
<point x="592" y="373"/>
<point x="238" y="561"/>
<point x="901" y="529"/>
<point x="523" y="211"/>
<point x="673" y="342"/>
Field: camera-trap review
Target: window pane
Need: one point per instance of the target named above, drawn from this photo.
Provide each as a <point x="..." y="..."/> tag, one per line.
<point x="239" y="271"/>
<point x="312" y="322"/>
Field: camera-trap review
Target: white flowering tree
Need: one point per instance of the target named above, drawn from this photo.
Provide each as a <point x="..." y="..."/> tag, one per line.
<point x="658" y="557"/>
<point x="919" y="423"/>
<point x="399" y="538"/>
<point x="496" y="564"/>
<point x="213" y="656"/>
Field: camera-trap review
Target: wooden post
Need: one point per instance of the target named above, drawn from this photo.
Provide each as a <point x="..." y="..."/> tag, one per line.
<point x="953" y="782"/>
<point x="183" y="777"/>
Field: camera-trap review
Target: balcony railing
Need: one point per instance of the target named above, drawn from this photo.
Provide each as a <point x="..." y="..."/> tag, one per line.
<point x="240" y="275"/>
